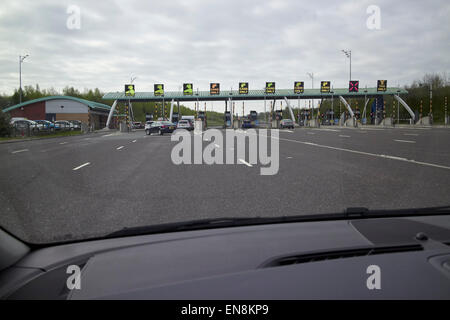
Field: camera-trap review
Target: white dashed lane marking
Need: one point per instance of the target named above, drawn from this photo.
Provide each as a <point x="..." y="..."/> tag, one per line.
<point x="83" y="165"/>
<point x="19" y="151"/>
<point x="245" y="162"/>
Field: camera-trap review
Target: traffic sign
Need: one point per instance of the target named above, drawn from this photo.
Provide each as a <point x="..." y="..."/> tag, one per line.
<point x="214" y="88"/>
<point x="382" y="85"/>
<point x="129" y="90"/>
<point x="158" y="90"/>
<point x="299" y="87"/>
<point x="325" y="86"/>
<point x="243" y="87"/>
<point x="353" y="86"/>
<point x="270" y="87"/>
<point x="187" y="89"/>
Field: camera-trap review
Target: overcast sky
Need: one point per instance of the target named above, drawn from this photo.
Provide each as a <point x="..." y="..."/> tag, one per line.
<point x="172" y="42"/>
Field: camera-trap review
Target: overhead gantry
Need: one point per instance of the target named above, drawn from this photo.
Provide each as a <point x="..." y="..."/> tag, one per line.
<point x="228" y="96"/>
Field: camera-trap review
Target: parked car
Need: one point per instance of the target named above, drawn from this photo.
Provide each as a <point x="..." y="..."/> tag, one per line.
<point x="287" y="123"/>
<point x="76" y="124"/>
<point x="185" y="124"/>
<point x="17" y="118"/>
<point x="46" y="125"/>
<point x="27" y="124"/>
<point x="63" y="125"/>
<point x="160" y="127"/>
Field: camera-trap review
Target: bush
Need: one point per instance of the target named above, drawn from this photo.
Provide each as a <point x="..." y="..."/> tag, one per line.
<point x="5" y="127"/>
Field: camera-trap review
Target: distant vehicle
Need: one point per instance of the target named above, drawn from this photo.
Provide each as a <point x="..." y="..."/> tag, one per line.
<point x="17" y="118"/>
<point x="138" y="125"/>
<point x="247" y="124"/>
<point x="76" y="124"/>
<point x="287" y="123"/>
<point x="191" y="119"/>
<point x="46" y="125"/>
<point x="63" y="125"/>
<point x="24" y="124"/>
<point x="185" y="124"/>
<point x="160" y="127"/>
<point x="328" y="118"/>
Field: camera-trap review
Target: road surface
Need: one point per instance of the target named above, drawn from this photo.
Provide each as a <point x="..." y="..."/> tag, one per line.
<point x="90" y="185"/>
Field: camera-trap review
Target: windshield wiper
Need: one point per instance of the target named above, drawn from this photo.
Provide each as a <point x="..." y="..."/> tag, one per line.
<point x="349" y="213"/>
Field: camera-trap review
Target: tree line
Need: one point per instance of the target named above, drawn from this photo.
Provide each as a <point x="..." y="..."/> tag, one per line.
<point x="418" y="99"/>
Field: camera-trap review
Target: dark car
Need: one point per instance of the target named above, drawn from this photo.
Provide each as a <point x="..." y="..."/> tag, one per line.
<point x="287" y="123"/>
<point x="247" y="124"/>
<point x="161" y="127"/>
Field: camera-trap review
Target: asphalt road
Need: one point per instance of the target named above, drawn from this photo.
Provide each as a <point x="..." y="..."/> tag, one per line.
<point x="87" y="186"/>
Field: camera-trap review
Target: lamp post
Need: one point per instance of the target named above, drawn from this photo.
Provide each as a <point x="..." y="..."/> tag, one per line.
<point x="130" y="109"/>
<point x="311" y="75"/>
<point x="21" y="58"/>
<point x="348" y="53"/>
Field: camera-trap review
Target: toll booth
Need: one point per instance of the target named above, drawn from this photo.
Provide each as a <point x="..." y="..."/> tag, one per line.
<point x="357" y="114"/>
<point x="328" y="118"/>
<point x="376" y="114"/>
<point x="279" y="115"/>
<point x="253" y="117"/>
<point x="227" y="119"/>
<point x="303" y="118"/>
<point x="175" y="117"/>
<point x="202" y="117"/>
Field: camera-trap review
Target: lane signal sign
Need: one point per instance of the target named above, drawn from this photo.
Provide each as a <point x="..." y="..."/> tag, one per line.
<point x="188" y="89"/>
<point x="214" y="88"/>
<point x="270" y="87"/>
<point x="158" y="89"/>
<point x="353" y="86"/>
<point x="243" y="87"/>
<point x="299" y="87"/>
<point x="325" y="86"/>
<point x="129" y="90"/>
<point x="381" y="85"/>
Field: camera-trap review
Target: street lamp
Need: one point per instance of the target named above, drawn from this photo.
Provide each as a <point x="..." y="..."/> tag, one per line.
<point x="21" y="58"/>
<point x="129" y="100"/>
<point x="348" y="53"/>
<point x="311" y="75"/>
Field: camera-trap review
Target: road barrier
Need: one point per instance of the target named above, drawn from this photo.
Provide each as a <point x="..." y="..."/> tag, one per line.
<point x="424" y="121"/>
<point x="387" y="122"/>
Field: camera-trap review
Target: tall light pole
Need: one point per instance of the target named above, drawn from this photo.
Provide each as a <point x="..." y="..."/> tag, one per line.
<point x="311" y="75"/>
<point x="21" y="58"/>
<point x="348" y="53"/>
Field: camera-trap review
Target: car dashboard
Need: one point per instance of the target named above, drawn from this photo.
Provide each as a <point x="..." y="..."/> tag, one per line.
<point x="301" y="260"/>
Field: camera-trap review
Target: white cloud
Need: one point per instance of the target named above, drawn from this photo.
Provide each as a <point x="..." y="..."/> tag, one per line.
<point x="225" y="41"/>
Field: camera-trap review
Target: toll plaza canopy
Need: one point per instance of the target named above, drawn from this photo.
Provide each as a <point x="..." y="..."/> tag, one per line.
<point x="252" y="95"/>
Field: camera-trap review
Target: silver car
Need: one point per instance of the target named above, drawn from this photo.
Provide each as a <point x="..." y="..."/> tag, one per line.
<point x="185" y="124"/>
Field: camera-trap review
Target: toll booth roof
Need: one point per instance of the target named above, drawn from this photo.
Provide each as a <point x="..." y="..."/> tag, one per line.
<point x="252" y="95"/>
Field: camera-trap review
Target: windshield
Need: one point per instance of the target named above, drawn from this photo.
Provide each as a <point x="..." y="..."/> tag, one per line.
<point x="287" y="108"/>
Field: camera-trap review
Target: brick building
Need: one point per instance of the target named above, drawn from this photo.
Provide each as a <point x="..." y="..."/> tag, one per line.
<point x="55" y="108"/>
